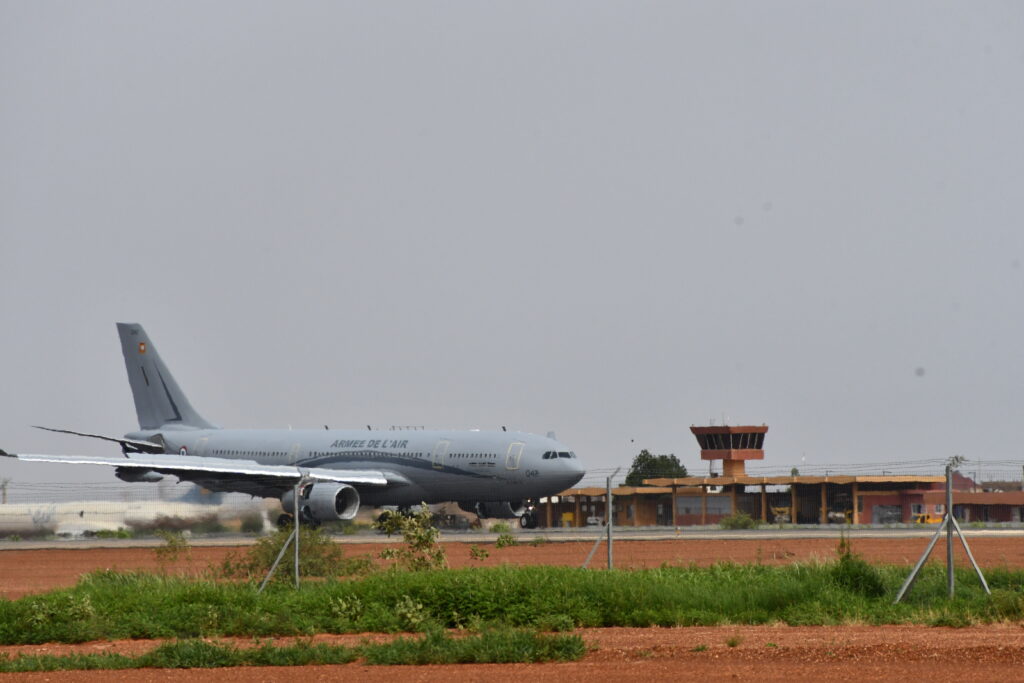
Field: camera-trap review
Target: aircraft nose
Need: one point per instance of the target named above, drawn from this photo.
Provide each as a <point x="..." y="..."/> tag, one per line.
<point x="574" y="472"/>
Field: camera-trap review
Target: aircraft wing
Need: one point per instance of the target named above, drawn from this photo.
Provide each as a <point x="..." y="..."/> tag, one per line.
<point x="194" y="466"/>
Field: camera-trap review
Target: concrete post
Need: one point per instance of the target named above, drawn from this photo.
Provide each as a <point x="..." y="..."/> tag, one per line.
<point x="792" y="502"/>
<point x="675" y="517"/>
<point x="856" y="504"/>
<point x="703" y="505"/>
<point x="824" y="506"/>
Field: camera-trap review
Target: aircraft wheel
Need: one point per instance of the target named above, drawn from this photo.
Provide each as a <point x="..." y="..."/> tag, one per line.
<point x="284" y="520"/>
<point x="528" y="521"/>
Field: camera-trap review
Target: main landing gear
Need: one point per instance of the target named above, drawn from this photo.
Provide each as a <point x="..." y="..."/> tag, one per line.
<point x="287" y="521"/>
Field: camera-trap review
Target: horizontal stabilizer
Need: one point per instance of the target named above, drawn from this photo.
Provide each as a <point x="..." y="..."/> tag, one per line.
<point x="127" y="445"/>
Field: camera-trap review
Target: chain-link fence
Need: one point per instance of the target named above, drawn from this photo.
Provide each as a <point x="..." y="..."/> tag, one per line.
<point x="890" y="493"/>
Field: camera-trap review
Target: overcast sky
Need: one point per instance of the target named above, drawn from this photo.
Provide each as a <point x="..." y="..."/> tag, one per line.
<point x="608" y="219"/>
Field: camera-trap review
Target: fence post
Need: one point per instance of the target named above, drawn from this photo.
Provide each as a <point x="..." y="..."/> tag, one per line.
<point x="949" y="530"/>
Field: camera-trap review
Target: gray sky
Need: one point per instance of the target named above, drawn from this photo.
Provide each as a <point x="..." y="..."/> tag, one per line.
<point x="610" y="219"/>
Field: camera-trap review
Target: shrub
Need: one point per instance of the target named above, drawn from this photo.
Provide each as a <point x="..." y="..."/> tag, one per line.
<point x="421" y="549"/>
<point x="175" y="545"/>
<point x="739" y="520"/>
<point x="121" y="532"/>
<point x="318" y="556"/>
<point x="252" y="523"/>
<point x="505" y="541"/>
<point x="501" y="528"/>
<point x="206" y="524"/>
<point x="854" y="574"/>
<point x="478" y="553"/>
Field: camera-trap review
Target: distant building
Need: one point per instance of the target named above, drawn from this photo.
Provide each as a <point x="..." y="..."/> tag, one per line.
<point x="839" y="498"/>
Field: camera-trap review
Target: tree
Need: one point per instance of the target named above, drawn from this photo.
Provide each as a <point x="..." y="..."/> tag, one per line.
<point x="647" y="466"/>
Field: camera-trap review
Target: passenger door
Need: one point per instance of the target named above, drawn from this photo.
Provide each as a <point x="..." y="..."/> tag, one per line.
<point x="440" y="452"/>
<point x="515" y="451"/>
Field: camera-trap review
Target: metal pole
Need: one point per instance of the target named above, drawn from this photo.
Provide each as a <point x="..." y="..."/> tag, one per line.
<point x="298" y="488"/>
<point x="970" y="556"/>
<point x="917" y="567"/>
<point x="611" y="519"/>
<point x="273" y="567"/>
<point x="949" y="529"/>
<point x="611" y="515"/>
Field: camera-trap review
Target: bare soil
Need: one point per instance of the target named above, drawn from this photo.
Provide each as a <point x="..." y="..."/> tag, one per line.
<point x="762" y="653"/>
<point x="31" y="571"/>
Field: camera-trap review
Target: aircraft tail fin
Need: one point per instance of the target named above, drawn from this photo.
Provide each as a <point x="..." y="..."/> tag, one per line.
<point x="159" y="401"/>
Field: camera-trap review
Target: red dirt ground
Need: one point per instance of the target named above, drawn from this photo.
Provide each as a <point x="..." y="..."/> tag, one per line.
<point x="30" y="571"/>
<point x="763" y="653"/>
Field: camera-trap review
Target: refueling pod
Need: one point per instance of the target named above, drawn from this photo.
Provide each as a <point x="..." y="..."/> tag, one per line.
<point x="134" y="476"/>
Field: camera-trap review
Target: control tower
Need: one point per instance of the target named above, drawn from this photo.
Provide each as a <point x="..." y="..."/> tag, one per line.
<point x="732" y="445"/>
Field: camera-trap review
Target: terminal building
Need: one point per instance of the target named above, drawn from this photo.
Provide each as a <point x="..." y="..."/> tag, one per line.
<point x="795" y="499"/>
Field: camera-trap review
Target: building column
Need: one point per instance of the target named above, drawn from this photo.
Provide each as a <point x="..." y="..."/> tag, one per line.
<point x="576" y="515"/>
<point x="549" y="515"/>
<point x="764" y="503"/>
<point x="732" y="497"/>
<point x="856" y="504"/>
<point x="792" y="502"/>
<point x="675" y="518"/>
<point x="824" y="505"/>
<point x="636" y="508"/>
<point x="703" y="504"/>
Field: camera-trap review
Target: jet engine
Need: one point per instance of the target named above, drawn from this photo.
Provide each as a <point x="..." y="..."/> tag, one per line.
<point x="496" y="509"/>
<point x="324" y="502"/>
<point x="134" y="475"/>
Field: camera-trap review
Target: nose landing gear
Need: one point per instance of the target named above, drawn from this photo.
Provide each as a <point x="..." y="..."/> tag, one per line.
<point x="528" y="520"/>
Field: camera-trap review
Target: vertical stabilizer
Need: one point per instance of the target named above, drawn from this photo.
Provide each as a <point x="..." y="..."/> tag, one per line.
<point x="159" y="401"/>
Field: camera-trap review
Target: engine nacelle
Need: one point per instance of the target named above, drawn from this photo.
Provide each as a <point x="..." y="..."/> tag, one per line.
<point x="495" y="509"/>
<point x="134" y="475"/>
<point x="324" y="502"/>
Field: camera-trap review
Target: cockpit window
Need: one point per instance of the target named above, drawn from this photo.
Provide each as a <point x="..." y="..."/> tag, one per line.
<point x="548" y="455"/>
<point x="564" y="454"/>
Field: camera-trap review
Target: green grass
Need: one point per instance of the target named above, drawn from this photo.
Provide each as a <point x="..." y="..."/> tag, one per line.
<point x="111" y="605"/>
<point x="437" y="647"/>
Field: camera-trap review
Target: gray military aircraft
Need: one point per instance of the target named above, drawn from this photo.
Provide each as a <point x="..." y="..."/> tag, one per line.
<point x="494" y="474"/>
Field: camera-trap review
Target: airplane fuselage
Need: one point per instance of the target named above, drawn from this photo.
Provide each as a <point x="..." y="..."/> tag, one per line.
<point x="425" y="465"/>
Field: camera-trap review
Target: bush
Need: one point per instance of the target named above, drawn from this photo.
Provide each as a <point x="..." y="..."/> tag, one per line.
<point x="121" y="532"/>
<point x="421" y="549"/>
<point x="318" y="556"/>
<point x="175" y="545"/>
<point x="852" y="573"/>
<point x="505" y="541"/>
<point x="206" y="524"/>
<point x="252" y="523"/>
<point x="739" y="520"/>
<point x="500" y="528"/>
